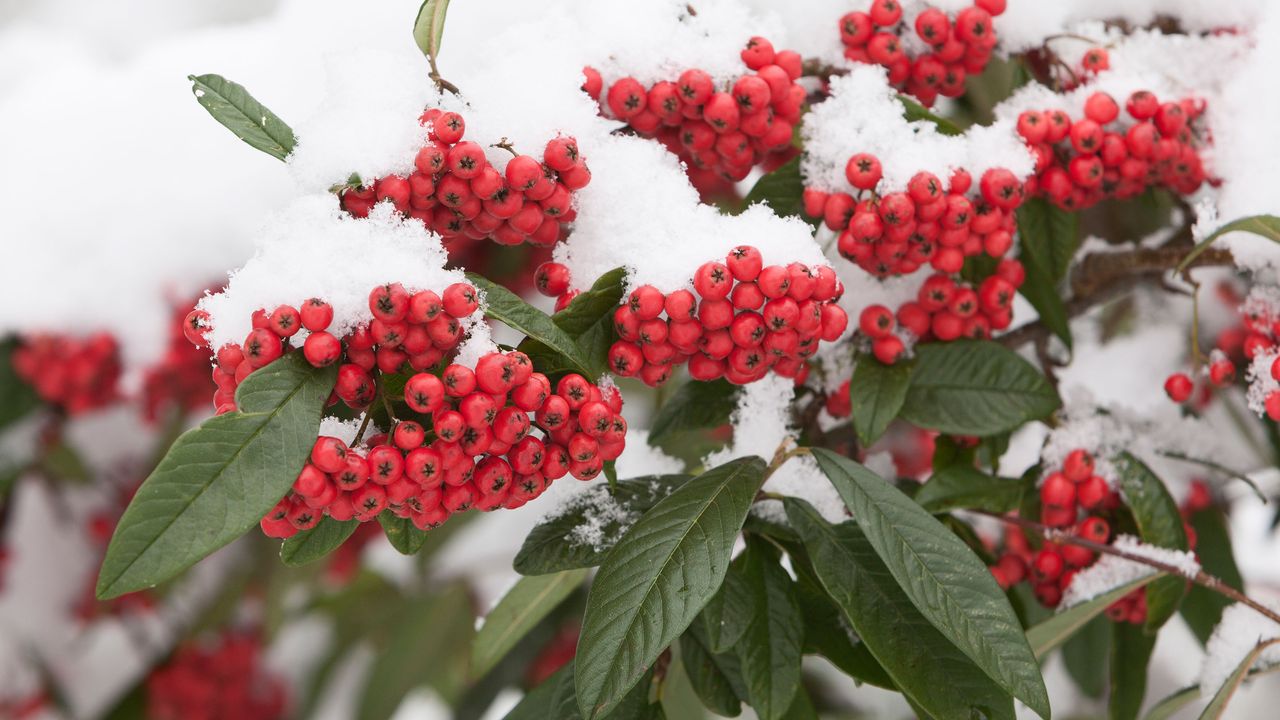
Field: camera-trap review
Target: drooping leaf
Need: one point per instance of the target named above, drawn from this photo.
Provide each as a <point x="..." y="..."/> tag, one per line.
<point x="1130" y="654"/>
<point x="230" y="104"/>
<point x="975" y="388"/>
<point x="1049" y="237"/>
<point x="403" y="535"/>
<point x="963" y="486"/>
<point x="311" y="545"/>
<point x="912" y="110"/>
<point x="769" y="648"/>
<point x="1202" y="608"/>
<point x="694" y="406"/>
<point x="656" y="579"/>
<point x="428" y="27"/>
<point x="1159" y="524"/>
<point x="829" y="634"/>
<point x="801" y="707"/>
<point x="925" y="666"/>
<point x="504" y="305"/>
<point x="554" y="698"/>
<point x="589" y="321"/>
<point x="877" y="392"/>
<point x="710" y="673"/>
<point x="429" y="647"/>
<point x="587" y="528"/>
<point x="16" y="397"/>
<point x="1218" y="704"/>
<point x="945" y="581"/>
<point x="1041" y="290"/>
<point x="678" y="698"/>
<point x="523" y="607"/>
<point x="1267" y="226"/>
<point x="220" y="479"/>
<point x="782" y="190"/>
<point x="1085" y="656"/>
<point x="1053" y="632"/>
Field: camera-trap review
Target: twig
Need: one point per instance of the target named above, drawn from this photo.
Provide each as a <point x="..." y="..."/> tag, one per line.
<point x="1200" y="578"/>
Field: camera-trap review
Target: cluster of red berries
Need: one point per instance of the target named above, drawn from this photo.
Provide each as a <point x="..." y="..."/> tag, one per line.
<point x="729" y="130"/>
<point x="1083" y="161"/>
<point x="457" y="193"/>
<point x="928" y="224"/>
<point x="741" y="320"/>
<point x="418" y="328"/>
<point x="180" y="380"/>
<point x="957" y="48"/>
<point x="477" y="451"/>
<point x="945" y="309"/>
<point x="75" y="374"/>
<point x="225" y="681"/>
<point x="1065" y="494"/>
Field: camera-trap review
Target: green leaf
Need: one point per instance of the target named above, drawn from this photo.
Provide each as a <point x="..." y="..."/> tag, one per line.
<point x="709" y="673"/>
<point x="61" y="461"/>
<point x="1041" y="291"/>
<point x="1218" y="704"/>
<point x="1172" y="703"/>
<point x="403" y="535"/>
<point x="523" y="607"/>
<point x="782" y="190"/>
<point x="428" y="27"/>
<point x="428" y="647"/>
<point x="1159" y="524"/>
<point x="694" y="406"/>
<point x="17" y="398"/>
<point x="829" y="634"/>
<point x="502" y="304"/>
<point x="237" y="110"/>
<point x="769" y="649"/>
<point x="657" y="578"/>
<point x="728" y="612"/>
<point x="219" y="479"/>
<point x="1049" y="236"/>
<point x="554" y="545"/>
<point x="801" y="707"/>
<point x="877" y="392"/>
<point x="975" y="388"/>
<point x="1130" y="654"/>
<point x="554" y="700"/>
<point x="1202" y="608"/>
<point x="928" y="669"/>
<point x="1053" y="632"/>
<point x="311" y="545"/>
<point x="912" y="110"/>
<point x="946" y="582"/>
<point x="1085" y="656"/>
<point x="963" y="486"/>
<point x="589" y="320"/>
<point x="1267" y="226"/>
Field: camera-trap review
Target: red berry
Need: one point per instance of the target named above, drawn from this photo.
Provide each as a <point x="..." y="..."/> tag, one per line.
<point x="1058" y="491"/>
<point x="1078" y="466"/>
<point x="1179" y="387"/>
<point x="321" y="349"/>
<point x="863" y="171"/>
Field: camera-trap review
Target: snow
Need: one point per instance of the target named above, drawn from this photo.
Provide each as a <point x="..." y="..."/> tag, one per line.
<point x="1025" y="25"/>
<point x="1261" y="383"/>
<point x="863" y="114"/>
<point x="1240" y="630"/>
<point x="299" y="257"/>
<point x="1111" y="572"/>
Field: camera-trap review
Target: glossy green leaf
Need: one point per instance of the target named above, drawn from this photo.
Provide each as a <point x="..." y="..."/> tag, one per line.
<point x="964" y="486"/>
<point x="1267" y="226"/>
<point x="589" y="321"/>
<point x="61" y="461"/>
<point x="727" y="613"/>
<point x="769" y="648"/>
<point x="694" y="406"/>
<point x="219" y="479"/>
<point x="1049" y="236"/>
<point x="554" y="699"/>
<point x="975" y="388"/>
<point x="428" y="27"/>
<point x="828" y="633"/>
<point x="925" y="666"/>
<point x="1130" y="654"/>
<point x="877" y="392"/>
<point x="1085" y="656"/>
<point x="945" y="581"/>
<point x="912" y="110"/>
<point x="1202" y="608"/>
<point x="712" y="675"/>
<point x="428" y="647"/>
<point x="1053" y="632"/>
<point x="782" y="190"/>
<point x="17" y="398"/>
<point x="1041" y="290"/>
<point x="504" y="305"/>
<point x="557" y="543"/>
<point x="519" y="611"/>
<point x="311" y="545"/>
<point x="403" y="535"/>
<point x="1218" y="704"/>
<point x="237" y="110"/>
<point x="656" y="579"/>
<point x="1160" y="524"/>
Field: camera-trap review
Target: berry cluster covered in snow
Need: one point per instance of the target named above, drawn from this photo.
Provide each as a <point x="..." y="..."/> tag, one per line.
<point x="456" y="192"/>
<point x="723" y="126"/>
<point x="944" y="51"/>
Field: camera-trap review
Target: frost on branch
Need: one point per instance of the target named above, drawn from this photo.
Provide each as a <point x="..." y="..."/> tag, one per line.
<point x="1111" y="572"/>
<point x="1239" y="631"/>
